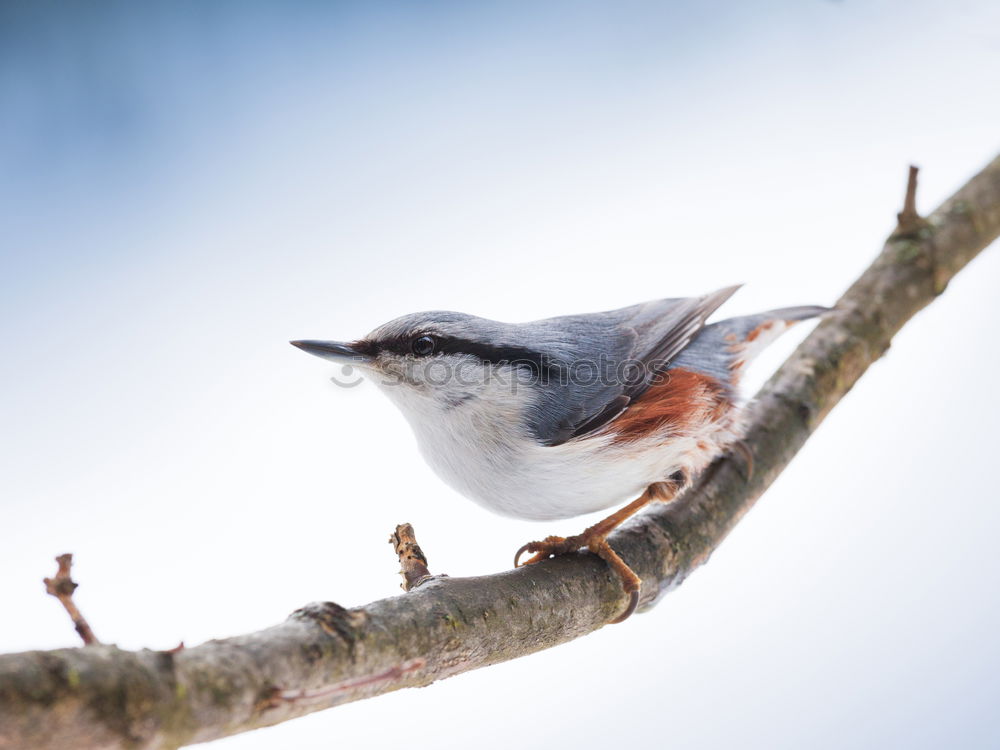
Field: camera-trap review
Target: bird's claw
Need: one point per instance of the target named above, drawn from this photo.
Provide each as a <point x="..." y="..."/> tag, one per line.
<point x="633" y="603"/>
<point x="548" y="547"/>
<point x="632" y="590"/>
<point x="557" y="545"/>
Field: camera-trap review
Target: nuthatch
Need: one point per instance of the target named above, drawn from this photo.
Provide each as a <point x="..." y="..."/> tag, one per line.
<point x="570" y="415"/>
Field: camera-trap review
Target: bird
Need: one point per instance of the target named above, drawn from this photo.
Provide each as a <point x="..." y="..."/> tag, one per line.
<point x="565" y="416"/>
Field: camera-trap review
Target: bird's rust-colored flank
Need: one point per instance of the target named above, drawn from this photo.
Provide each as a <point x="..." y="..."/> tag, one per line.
<point x="683" y="401"/>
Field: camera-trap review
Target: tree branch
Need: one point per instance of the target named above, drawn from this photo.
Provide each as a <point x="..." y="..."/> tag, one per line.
<point x="325" y="655"/>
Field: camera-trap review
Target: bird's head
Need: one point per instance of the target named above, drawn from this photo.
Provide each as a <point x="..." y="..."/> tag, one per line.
<point x="427" y="362"/>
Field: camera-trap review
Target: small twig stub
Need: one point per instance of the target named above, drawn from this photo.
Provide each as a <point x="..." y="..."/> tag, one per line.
<point x="62" y="588"/>
<point x="412" y="562"/>
<point x="908" y="221"/>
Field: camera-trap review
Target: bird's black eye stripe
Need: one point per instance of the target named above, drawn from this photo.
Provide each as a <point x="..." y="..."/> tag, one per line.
<point x="425" y="344"/>
<point x="539" y="364"/>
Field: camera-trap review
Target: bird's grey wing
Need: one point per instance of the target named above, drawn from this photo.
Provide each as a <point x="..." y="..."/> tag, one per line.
<point x="648" y="336"/>
<point x="661" y="338"/>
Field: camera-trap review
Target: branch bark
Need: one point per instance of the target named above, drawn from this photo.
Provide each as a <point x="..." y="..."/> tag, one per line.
<point x="325" y="655"/>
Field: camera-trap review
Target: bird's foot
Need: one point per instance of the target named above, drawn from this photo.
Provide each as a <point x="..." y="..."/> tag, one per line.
<point x="596" y="542"/>
<point x="550" y="546"/>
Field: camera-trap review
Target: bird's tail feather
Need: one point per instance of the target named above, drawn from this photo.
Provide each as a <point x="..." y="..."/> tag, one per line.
<point x="724" y="348"/>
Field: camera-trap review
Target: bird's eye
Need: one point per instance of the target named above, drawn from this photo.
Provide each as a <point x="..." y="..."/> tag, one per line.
<point x="423" y="346"/>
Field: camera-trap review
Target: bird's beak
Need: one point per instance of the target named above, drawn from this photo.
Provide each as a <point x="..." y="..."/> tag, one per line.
<point x="336" y="351"/>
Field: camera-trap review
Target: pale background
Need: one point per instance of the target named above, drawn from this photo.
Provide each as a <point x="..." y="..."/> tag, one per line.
<point x="187" y="186"/>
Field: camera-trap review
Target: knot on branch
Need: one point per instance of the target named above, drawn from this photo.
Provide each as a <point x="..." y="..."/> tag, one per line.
<point x="335" y="620"/>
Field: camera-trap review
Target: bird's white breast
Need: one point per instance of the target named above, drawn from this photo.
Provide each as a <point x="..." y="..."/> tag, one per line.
<point x="480" y="449"/>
